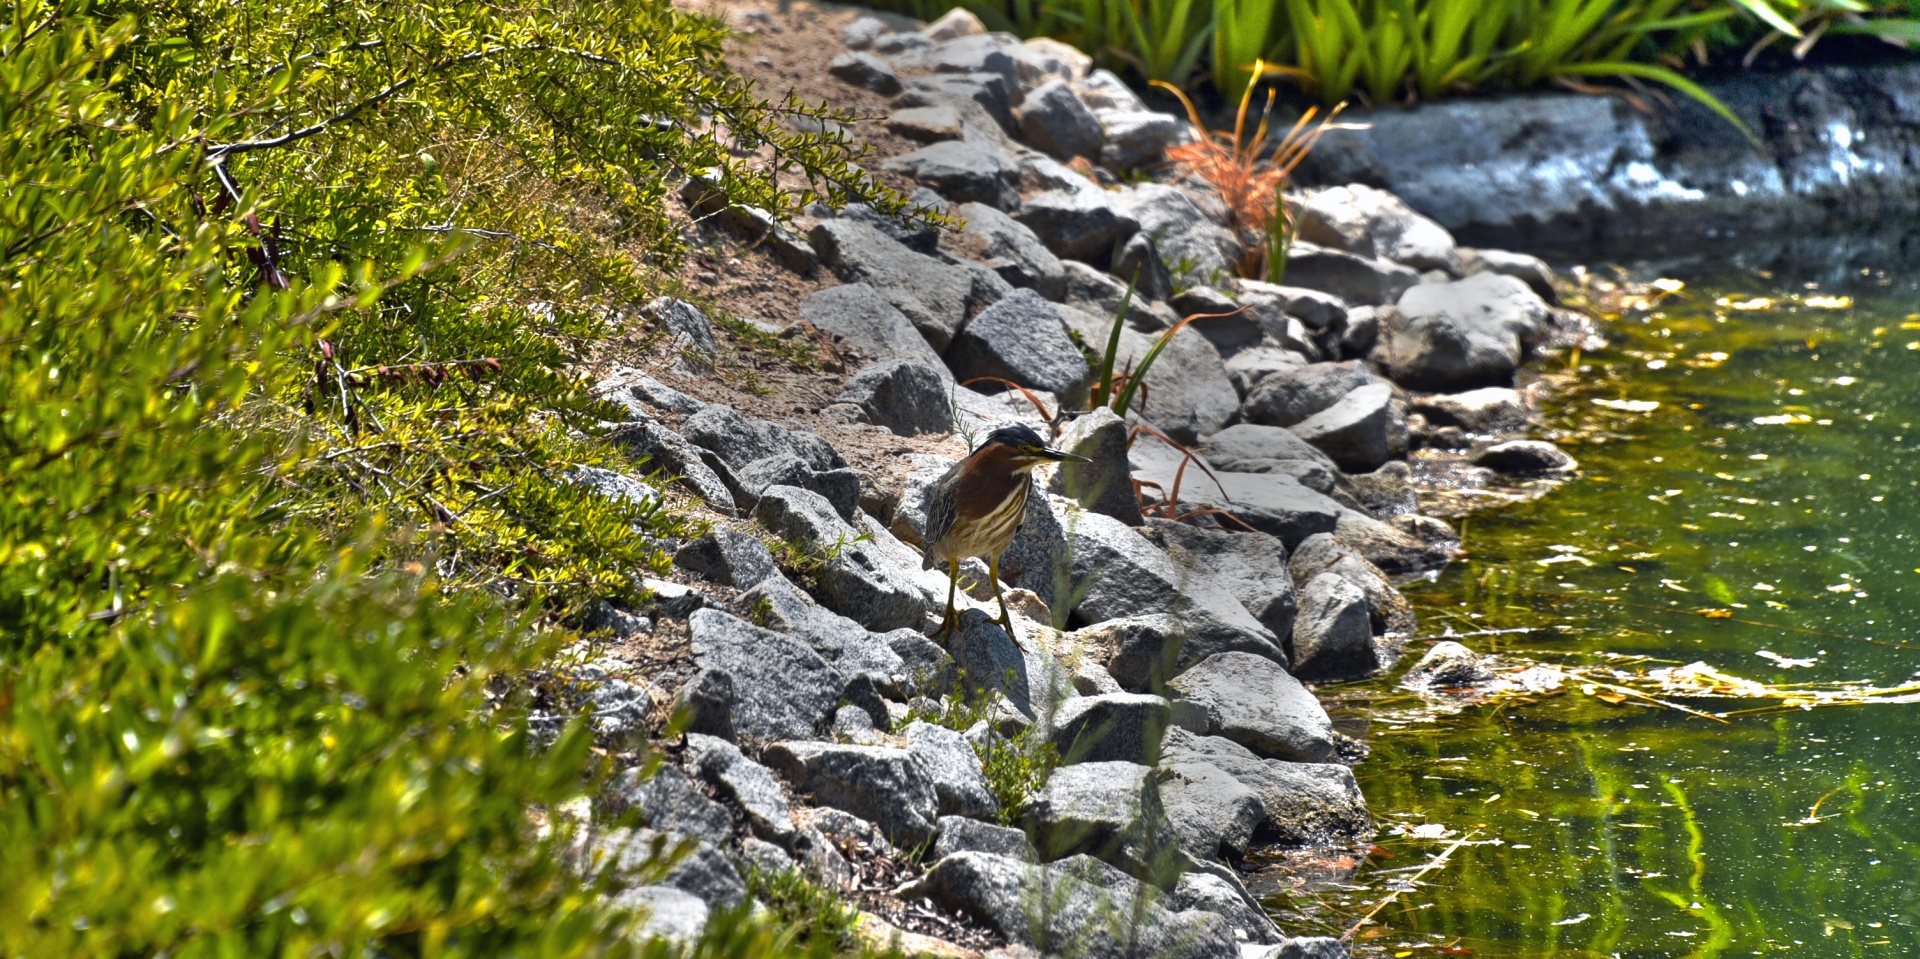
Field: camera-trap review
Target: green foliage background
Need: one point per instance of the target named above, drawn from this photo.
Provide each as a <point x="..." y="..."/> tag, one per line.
<point x="289" y="292"/>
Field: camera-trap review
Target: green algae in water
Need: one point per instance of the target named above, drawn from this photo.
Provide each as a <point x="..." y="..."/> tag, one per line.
<point x="1775" y="481"/>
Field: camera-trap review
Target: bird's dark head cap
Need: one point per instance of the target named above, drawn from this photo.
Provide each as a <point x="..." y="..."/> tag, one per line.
<point x="1026" y="445"/>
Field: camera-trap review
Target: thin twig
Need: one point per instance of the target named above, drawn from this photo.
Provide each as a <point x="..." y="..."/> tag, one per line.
<point x="1437" y="863"/>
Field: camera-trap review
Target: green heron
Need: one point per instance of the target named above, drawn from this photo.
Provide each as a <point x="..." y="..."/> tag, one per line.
<point x="977" y="506"/>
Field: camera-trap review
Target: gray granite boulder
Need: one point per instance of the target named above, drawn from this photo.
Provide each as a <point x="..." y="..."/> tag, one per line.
<point x="1304" y="804"/>
<point x="986" y="659"/>
<point x="1077" y="224"/>
<point x="1013" y="251"/>
<point x="1287" y="398"/>
<point x="954" y="768"/>
<point x="1525" y="457"/>
<point x="856" y="580"/>
<point x="781" y="689"/>
<point x="972" y="54"/>
<point x="1465" y="333"/>
<point x="1448" y="665"/>
<point x="1021" y="339"/>
<point x="866" y="71"/>
<point x="839" y="487"/>
<point x="1103" y="90"/>
<point x="1143" y="652"/>
<point x="933" y="295"/>
<point x="1103" y="918"/>
<point x="642" y="394"/>
<point x="1356" y="279"/>
<point x="1371" y="222"/>
<point x="1490" y="409"/>
<point x="1268" y="302"/>
<point x="1186" y="393"/>
<point x="1210" y="892"/>
<point x="1362" y="431"/>
<point x="845" y="644"/>
<point x="703" y="871"/>
<point x="1531" y="270"/>
<point x="1113" y="727"/>
<point x="663" y="449"/>
<point x="1253" y="701"/>
<point x="1333" y="634"/>
<point x="739" y="440"/>
<point x="670" y="801"/>
<point x="675" y="915"/>
<point x="1243" y="446"/>
<point x="1108" y="810"/>
<point x="929" y="670"/>
<point x="1136" y="138"/>
<point x="745" y="783"/>
<point x="1252" y="567"/>
<point x="1190" y="230"/>
<point x="1388" y="609"/>
<point x="883" y="785"/>
<point x="907" y="397"/>
<point x="964" y="171"/>
<point x="1054" y="121"/>
<point x="1212" y="814"/>
<point x="961" y="834"/>
<point x="1138" y="260"/>
<point x="728" y="557"/>
<point x="865" y="321"/>
<point x="1105" y="485"/>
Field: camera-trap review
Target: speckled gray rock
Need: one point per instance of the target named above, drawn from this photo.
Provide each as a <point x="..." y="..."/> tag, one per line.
<point x="1466" y="333"/>
<point x="643" y="395"/>
<point x="1387" y="491"/>
<point x="663" y="449"/>
<point x="1254" y="702"/>
<point x="1524" y="457"/>
<point x="1490" y="409"/>
<point x="1105" y="918"/>
<point x="884" y="785"/>
<point x="1209" y="892"/>
<point x="1304" y="804"/>
<point x="840" y="487"/>
<point x="1136" y="138"/>
<point x="703" y="872"/>
<point x="1118" y="572"/>
<point x="866" y="322"/>
<point x="1531" y="270"/>
<point x="670" y="802"/>
<point x="1212" y="813"/>
<point x="855" y="580"/>
<point x="1138" y="260"/>
<point x="1353" y="278"/>
<point x="1013" y="251"/>
<point x="929" y="670"/>
<point x="1077" y="224"/>
<point x="1241" y="445"/>
<point x="1103" y="90"/>
<point x="691" y="330"/>
<point x="954" y="769"/>
<point x="1333" y="635"/>
<point x="1186" y="394"/>
<point x="1021" y="339"/>
<point x="1448" y="665"/>
<point x="1098" y="296"/>
<point x="964" y="171"/>
<point x="984" y="101"/>
<point x="972" y="54"/>
<point x="728" y="557"/>
<point x="1111" y="727"/>
<point x="1143" y="652"/>
<point x="927" y="124"/>
<point x="1253" y="568"/>
<point x="1105" y="485"/>
<point x="1370" y="222"/>
<point x="781" y="689"/>
<point x="1388" y="610"/>
<point x="846" y="645"/>
<point x="906" y="397"/>
<point x="931" y="294"/>
<point x="1361" y="431"/>
<point x="1108" y="810"/>
<point x="1268" y="301"/>
<point x="961" y="834"/>
<point x="1054" y="121"/>
<point x="1189" y="229"/>
<point x="739" y="440"/>
<point x="674" y="915"/>
<point x="954" y="24"/>
<point x="745" y="783"/>
<point x="1033" y="682"/>
<point x="1274" y="502"/>
<point x="1291" y="397"/>
<point x="866" y="71"/>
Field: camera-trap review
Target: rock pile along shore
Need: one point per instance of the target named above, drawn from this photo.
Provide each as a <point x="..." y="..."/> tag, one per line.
<point x="1159" y="661"/>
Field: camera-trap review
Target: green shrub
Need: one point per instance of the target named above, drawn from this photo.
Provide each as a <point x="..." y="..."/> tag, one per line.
<point x="289" y="291"/>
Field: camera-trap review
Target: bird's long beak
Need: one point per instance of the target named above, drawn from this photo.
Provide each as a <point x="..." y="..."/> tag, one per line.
<point x="1048" y="452"/>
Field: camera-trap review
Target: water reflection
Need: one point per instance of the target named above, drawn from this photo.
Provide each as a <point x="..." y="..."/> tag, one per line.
<point x="1773" y="483"/>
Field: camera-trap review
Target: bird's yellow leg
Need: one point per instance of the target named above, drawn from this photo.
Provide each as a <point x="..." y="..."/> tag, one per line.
<point x="993" y="572"/>
<point x="950" y="619"/>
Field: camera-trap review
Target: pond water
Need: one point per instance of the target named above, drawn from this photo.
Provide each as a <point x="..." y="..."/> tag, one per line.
<point x="1763" y="518"/>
